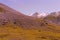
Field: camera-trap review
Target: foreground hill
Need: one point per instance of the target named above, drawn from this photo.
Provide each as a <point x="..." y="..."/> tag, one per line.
<point x="17" y="26"/>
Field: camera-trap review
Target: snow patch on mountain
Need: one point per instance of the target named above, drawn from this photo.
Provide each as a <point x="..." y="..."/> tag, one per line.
<point x="38" y="15"/>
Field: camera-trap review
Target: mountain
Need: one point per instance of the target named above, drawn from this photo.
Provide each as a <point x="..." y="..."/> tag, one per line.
<point x="39" y="15"/>
<point x="16" y="26"/>
<point x="54" y="17"/>
<point x="35" y="14"/>
<point x="10" y="15"/>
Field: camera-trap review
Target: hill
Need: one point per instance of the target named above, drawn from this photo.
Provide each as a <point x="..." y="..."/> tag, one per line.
<point x="16" y="26"/>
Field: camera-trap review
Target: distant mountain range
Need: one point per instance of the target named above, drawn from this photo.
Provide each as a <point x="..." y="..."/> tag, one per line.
<point x="35" y="27"/>
<point x="39" y="15"/>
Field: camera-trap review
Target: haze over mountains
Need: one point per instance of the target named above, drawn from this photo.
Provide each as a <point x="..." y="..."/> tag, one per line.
<point x="16" y="26"/>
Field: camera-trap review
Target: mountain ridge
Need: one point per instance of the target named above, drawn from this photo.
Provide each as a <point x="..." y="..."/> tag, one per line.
<point x="17" y="26"/>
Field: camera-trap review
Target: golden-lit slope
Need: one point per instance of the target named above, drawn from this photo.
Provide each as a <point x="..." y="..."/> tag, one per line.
<point x="17" y="26"/>
<point x="11" y="32"/>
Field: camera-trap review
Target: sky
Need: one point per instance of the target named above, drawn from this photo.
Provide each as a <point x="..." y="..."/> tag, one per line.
<point x="29" y="7"/>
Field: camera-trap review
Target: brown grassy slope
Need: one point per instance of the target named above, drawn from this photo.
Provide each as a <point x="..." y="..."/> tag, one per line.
<point x="11" y="32"/>
<point x="15" y="26"/>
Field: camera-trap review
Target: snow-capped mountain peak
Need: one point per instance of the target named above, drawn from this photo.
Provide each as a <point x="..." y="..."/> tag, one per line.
<point x="38" y="15"/>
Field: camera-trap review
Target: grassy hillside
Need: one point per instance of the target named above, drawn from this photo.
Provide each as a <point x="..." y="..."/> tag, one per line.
<point x="13" y="32"/>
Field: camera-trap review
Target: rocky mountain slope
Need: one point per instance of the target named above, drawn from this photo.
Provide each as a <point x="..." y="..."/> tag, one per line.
<point x="17" y="26"/>
<point x="54" y="17"/>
